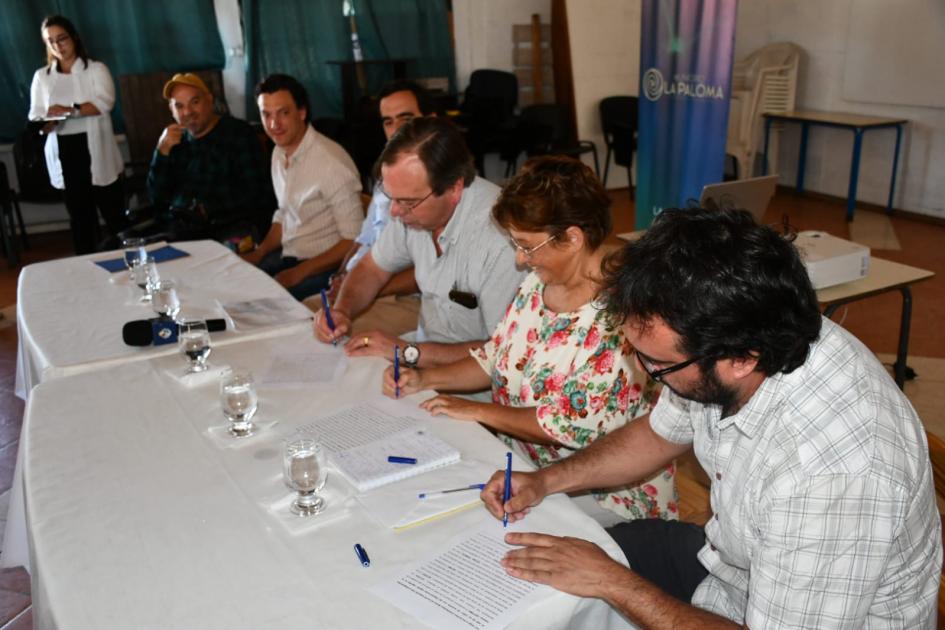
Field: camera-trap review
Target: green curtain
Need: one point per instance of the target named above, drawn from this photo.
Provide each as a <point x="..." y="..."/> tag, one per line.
<point x="129" y="36"/>
<point x="407" y="29"/>
<point x="297" y="37"/>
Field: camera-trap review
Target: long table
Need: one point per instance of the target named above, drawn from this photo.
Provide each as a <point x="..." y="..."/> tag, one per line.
<point x="138" y="519"/>
<point x="70" y="311"/>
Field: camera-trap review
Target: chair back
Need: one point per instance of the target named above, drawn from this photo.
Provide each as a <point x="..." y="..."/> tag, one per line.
<point x="491" y="97"/>
<point x="618" y="121"/>
<point x="937" y="457"/>
<point x="29" y="158"/>
<point x="545" y="126"/>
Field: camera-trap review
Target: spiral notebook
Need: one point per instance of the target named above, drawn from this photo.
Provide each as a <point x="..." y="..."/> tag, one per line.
<point x="360" y="439"/>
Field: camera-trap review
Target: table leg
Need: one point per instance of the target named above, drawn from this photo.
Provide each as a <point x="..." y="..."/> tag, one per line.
<point x="854" y="172"/>
<point x="899" y="367"/>
<point x="764" y="159"/>
<point x="802" y="158"/>
<point x="892" y="182"/>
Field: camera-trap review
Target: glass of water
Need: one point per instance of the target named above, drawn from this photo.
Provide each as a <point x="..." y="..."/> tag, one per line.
<point x="145" y="274"/>
<point x="303" y="464"/>
<point x="239" y="401"/>
<point x="194" y="343"/>
<point x="134" y="250"/>
<point x="164" y="299"/>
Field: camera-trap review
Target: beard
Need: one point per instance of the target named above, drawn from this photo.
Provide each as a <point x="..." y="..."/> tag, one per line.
<point x="710" y="390"/>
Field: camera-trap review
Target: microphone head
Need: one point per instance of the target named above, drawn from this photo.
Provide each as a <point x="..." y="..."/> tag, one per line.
<point x="137" y="333"/>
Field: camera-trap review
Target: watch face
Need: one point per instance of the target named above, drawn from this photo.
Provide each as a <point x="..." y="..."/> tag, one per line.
<point x="411" y="354"/>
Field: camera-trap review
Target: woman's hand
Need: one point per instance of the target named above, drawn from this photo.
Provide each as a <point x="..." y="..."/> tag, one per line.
<point x="410" y="382"/>
<point x="59" y="110"/>
<point x="454" y="407"/>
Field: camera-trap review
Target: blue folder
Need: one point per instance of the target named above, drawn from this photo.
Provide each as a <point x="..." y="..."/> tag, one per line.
<point x="160" y="255"/>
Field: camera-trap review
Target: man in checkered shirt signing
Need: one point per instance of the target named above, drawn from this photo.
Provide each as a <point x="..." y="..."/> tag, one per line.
<point x="822" y="494"/>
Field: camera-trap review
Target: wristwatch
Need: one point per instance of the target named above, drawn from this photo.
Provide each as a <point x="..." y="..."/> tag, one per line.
<point x="411" y="355"/>
<point x="76" y="109"/>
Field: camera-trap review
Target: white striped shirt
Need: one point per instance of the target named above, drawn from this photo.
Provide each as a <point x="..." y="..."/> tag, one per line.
<point x="318" y="193"/>
<point x="822" y="493"/>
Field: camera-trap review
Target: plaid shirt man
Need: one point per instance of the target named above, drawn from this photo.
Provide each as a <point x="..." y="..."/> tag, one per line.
<point x="224" y="171"/>
<point x="824" y="509"/>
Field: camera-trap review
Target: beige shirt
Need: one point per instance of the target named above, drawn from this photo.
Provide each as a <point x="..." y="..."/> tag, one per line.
<point x="318" y="193"/>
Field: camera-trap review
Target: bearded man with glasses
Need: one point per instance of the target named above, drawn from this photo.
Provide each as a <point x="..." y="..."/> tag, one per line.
<point x="822" y="492"/>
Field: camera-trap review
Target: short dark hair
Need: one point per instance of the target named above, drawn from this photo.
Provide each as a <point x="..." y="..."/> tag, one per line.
<point x="730" y="288"/>
<point x="440" y="147"/>
<point x="552" y="193"/>
<point x="275" y="82"/>
<point x="66" y="25"/>
<point x="424" y="101"/>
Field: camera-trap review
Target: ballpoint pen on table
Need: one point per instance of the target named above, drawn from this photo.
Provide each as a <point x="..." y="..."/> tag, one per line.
<point x="507" y="491"/>
<point x="328" y="319"/>
<point x="396" y="372"/>
<point x="362" y="555"/>
<point x="397" y="459"/>
<point x="427" y="495"/>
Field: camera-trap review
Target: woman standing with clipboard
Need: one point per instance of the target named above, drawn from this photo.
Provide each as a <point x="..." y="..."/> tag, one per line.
<point x="74" y="96"/>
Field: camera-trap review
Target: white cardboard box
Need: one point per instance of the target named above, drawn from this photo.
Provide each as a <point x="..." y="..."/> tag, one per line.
<point x="831" y="260"/>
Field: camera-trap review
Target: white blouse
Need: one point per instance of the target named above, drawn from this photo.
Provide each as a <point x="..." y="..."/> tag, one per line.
<point x="84" y="84"/>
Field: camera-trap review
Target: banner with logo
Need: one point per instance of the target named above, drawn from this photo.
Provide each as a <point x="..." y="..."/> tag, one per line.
<point x="685" y="76"/>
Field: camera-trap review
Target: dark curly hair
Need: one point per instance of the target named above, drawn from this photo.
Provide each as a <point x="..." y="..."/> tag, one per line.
<point x="730" y="288"/>
<point x="552" y="193"/>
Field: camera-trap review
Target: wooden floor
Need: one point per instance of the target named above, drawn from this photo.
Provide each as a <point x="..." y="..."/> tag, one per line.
<point x="874" y="321"/>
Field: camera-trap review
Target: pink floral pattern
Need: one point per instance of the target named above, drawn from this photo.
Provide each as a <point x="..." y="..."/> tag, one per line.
<point x="576" y="370"/>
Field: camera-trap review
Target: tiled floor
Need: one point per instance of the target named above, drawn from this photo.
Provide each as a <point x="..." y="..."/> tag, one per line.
<point x="875" y="321"/>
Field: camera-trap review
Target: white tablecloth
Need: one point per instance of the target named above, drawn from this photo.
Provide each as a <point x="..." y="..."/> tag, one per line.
<point x="70" y="311"/>
<point x="138" y="519"/>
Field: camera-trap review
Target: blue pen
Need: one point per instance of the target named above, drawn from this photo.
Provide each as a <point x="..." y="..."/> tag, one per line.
<point x="507" y="492"/>
<point x="328" y="319"/>
<point x="396" y="459"/>
<point x="362" y="555"/>
<point x="396" y="371"/>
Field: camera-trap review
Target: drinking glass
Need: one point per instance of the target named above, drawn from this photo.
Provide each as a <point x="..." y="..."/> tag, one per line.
<point x="239" y="401"/>
<point x="134" y="250"/>
<point x="145" y="274"/>
<point x="194" y="343"/>
<point x="303" y="464"/>
<point x="164" y="299"/>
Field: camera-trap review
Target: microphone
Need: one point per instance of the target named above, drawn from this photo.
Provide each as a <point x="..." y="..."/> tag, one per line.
<point x="157" y="331"/>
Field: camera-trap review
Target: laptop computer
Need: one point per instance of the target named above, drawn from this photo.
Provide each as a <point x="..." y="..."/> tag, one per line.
<point x="753" y="194"/>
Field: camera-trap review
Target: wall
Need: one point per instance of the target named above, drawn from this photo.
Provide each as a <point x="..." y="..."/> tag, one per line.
<point x="822" y="29"/>
<point x="605" y="61"/>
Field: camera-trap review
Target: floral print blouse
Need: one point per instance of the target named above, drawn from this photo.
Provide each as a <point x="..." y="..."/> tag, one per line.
<point x="576" y="370"/>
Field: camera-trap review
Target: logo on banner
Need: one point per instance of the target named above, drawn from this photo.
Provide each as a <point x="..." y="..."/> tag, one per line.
<point x="693" y="86"/>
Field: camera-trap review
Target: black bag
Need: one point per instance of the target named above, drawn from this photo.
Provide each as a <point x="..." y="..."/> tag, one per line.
<point x="30" y="160"/>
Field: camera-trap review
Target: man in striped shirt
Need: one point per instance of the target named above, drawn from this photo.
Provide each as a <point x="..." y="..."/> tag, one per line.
<point x="317" y="187"/>
<point x="822" y="493"/>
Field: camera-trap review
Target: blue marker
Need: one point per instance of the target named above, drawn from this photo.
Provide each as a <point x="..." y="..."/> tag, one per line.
<point x="362" y="555"/>
<point x="427" y="495"/>
<point x="396" y="371"/>
<point x="395" y="459"/>
<point x="507" y="491"/>
<point x="328" y="319"/>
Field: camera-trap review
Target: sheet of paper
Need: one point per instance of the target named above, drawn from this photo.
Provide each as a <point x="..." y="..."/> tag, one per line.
<point x="290" y="368"/>
<point x="356" y="426"/>
<point x="463" y="585"/>
<point x="251" y="314"/>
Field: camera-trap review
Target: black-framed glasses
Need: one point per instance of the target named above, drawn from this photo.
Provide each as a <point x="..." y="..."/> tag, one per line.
<point x="528" y="251"/>
<point x="408" y="205"/>
<point x="657" y="375"/>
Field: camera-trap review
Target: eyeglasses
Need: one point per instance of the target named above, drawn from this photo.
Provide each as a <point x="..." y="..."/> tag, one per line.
<point x="407" y="205"/>
<point x="528" y="251"/>
<point x="657" y="375"/>
<point x="58" y="40"/>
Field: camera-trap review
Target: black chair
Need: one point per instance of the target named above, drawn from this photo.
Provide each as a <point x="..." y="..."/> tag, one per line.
<point x="618" y="120"/>
<point x="488" y="114"/>
<point x="11" y="218"/>
<point x="544" y="130"/>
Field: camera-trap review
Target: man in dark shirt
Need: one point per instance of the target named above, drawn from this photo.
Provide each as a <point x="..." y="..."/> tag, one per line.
<point x="209" y="167"/>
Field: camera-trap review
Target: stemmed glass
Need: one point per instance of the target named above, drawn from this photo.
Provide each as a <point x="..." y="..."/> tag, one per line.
<point x="134" y="250"/>
<point x="303" y="464"/>
<point x="239" y="401"/>
<point x="164" y="299"/>
<point x="145" y="274"/>
<point x="194" y="342"/>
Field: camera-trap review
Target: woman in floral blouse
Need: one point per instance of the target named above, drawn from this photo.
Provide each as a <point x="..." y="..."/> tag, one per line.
<point x="561" y="373"/>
